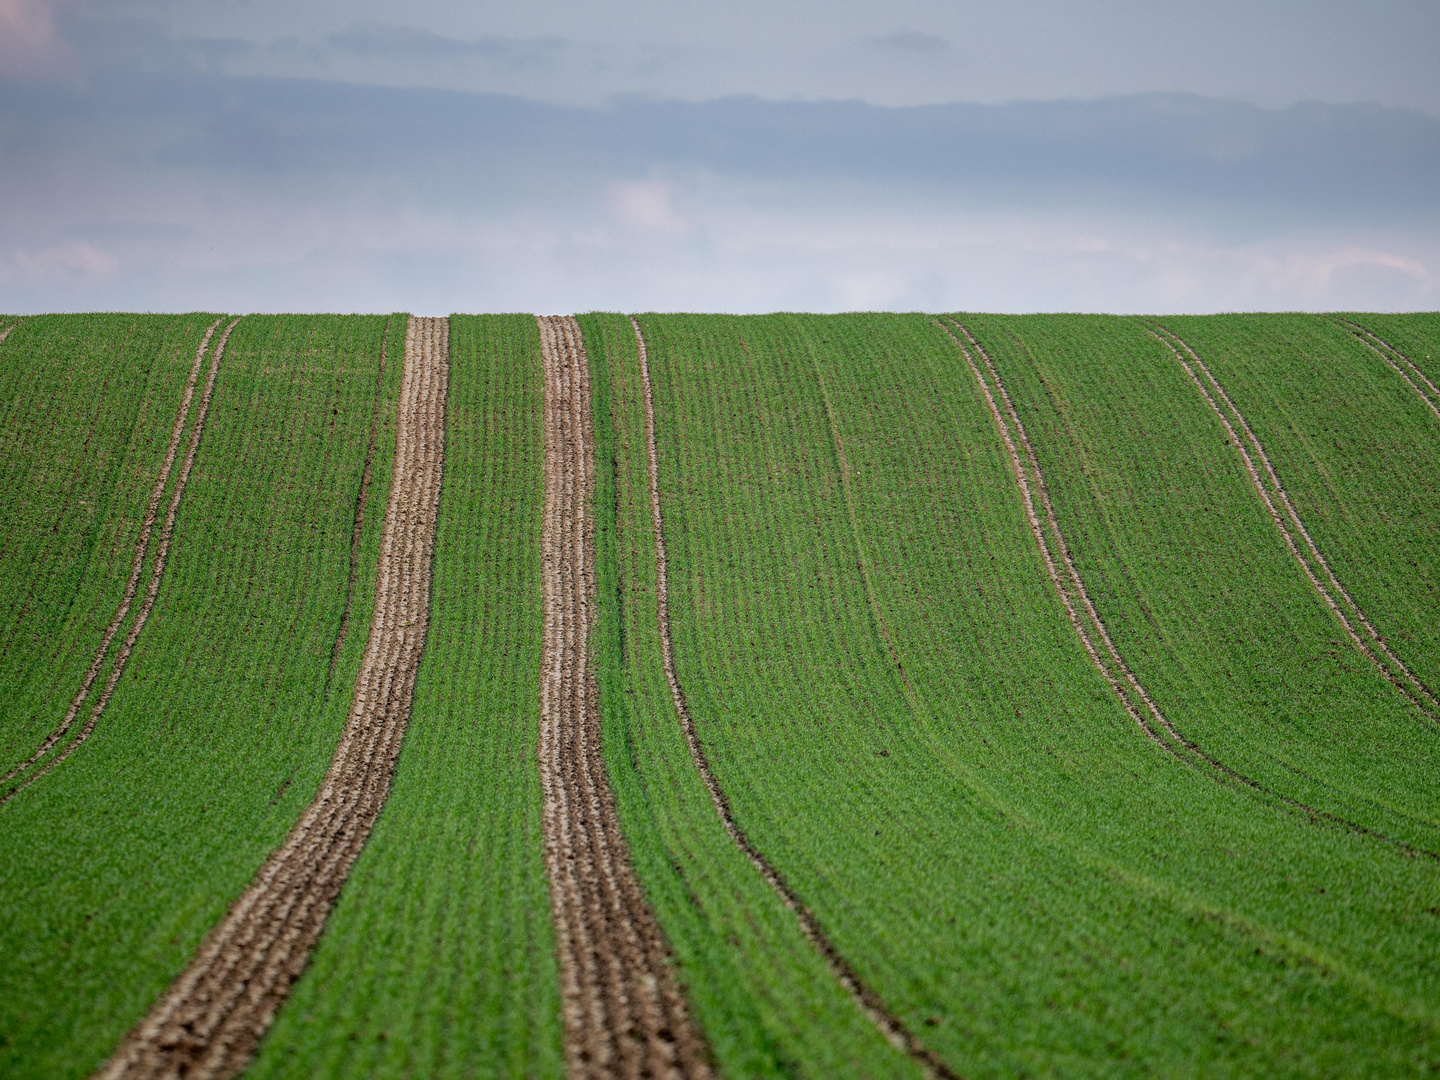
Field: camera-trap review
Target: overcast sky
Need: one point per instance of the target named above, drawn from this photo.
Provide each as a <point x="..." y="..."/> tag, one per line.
<point x="559" y="156"/>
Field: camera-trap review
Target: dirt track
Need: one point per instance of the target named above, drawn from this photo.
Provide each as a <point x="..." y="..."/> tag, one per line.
<point x="1086" y="618"/>
<point x="1297" y="537"/>
<point x="869" y="1001"/>
<point x="624" y="1013"/>
<point x="157" y="571"/>
<point x="213" y="1016"/>
<point x="1401" y="364"/>
<point x="6" y="332"/>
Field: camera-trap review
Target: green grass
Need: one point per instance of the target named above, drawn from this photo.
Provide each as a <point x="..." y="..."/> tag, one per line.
<point x="886" y="683"/>
<point x="115" y="865"/>
<point x="765" y="998"/>
<point x="1358" y="451"/>
<point x="1196" y="582"/>
<point x="86" y="408"/>
<point x="1417" y="336"/>
<point x="1019" y="864"/>
<point x="439" y="959"/>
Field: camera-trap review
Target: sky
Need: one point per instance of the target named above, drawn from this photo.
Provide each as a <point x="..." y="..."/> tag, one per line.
<point x="252" y="155"/>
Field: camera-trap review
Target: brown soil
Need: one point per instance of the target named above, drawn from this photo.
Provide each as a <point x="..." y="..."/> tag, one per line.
<point x="1401" y="364"/>
<point x="142" y="546"/>
<point x="6" y="332"/>
<point x="1287" y="519"/>
<point x="1084" y="616"/>
<point x="214" y="1015"/>
<point x="624" y="1013"/>
<point x="869" y="1001"/>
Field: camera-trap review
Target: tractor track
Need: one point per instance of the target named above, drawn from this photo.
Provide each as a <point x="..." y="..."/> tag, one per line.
<point x="624" y="1013"/>
<point x="210" y="1021"/>
<point x="357" y="532"/>
<point x="6" y="332"/>
<point x="1085" y="617"/>
<point x="870" y="1002"/>
<point x="157" y="571"/>
<point x="1401" y="364"/>
<point x="1297" y="537"/>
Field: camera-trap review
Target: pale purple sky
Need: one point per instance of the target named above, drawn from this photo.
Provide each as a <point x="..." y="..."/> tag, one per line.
<point x="745" y="156"/>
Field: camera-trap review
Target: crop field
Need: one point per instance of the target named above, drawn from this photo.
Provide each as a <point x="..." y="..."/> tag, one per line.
<point x="868" y="695"/>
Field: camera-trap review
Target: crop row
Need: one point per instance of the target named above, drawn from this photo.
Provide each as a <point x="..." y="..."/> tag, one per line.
<point x="905" y="722"/>
<point x="117" y="864"/>
<point x="898" y="712"/>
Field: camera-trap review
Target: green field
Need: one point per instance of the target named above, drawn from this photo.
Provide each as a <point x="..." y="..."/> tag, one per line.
<point x="904" y="722"/>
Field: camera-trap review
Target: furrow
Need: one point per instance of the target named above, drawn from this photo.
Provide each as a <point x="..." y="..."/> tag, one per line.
<point x="211" y="1020"/>
<point x="624" y="1013"/>
<point x="1076" y="598"/>
<point x="1401" y="364"/>
<point x="6" y="332"/>
<point x="1291" y="527"/>
<point x="869" y="1001"/>
<point x="142" y="546"/>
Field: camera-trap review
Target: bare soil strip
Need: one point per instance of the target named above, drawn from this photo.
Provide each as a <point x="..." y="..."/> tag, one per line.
<point x="870" y="1002"/>
<point x="1401" y="364"/>
<point x="6" y="332"/>
<point x="212" y="1018"/>
<point x="142" y="546"/>
<point x="1297" y="538"/>
<point x="624" y="1013"/>
<point x="1086" y="618"/>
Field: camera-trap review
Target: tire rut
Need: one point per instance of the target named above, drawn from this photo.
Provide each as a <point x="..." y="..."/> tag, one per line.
<point x="1292" y="529"/>
<point x="6" y="332"/>
<point x="1401" y="364"/>
<point x="357" y="532"/>
<point x="212" y="1018"/>
<point x="870" y="1002"/>
<point x="1085" y="617"/>
<point x="623" y="1010"/>
<point x="157" y="571"/>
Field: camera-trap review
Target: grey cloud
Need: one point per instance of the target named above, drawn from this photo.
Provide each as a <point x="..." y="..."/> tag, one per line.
<point x="1182" y="151"/>
<point x="120" y="45"/>
<point x="371" y="40"/>
<point x="1276" y="51"/>
<point x="210" y="191"/>
<point x="910" y="42"/>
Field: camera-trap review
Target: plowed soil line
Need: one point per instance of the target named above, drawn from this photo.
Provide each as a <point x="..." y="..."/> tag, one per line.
<point x="157" y="571"/>
<point x="213" y="1016"/>
<point x="1297" y="537"/>
<point x="870" y="1002"/>
<point x="1401" y="364"/>
<point x="1085" y="617"/>
<point x="6" y="332"/>
<point x="624" y="1013"/>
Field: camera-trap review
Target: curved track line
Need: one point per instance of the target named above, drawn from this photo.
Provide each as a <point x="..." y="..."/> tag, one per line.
<point x="142" y="546"/>
<point x="1076" y="597"/>
<point x="6" y="332"/>
<point x="357" y="532"/>
<point x="1071" y="587"/>
<point x="1398" y="361"/>
<point x="624" y="1013"/>
<point x="212" y="1018"/>
<point x="870" y="1002"/>
<point x="1345" y="609"/>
